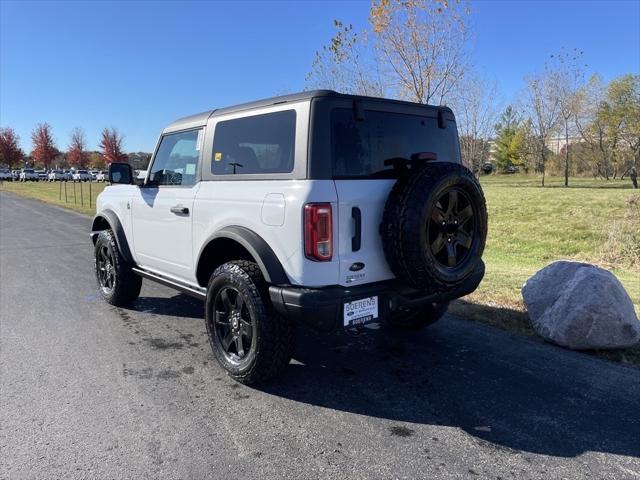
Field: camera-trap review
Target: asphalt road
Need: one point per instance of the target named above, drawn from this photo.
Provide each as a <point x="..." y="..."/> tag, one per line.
<point x="92" y="391"/>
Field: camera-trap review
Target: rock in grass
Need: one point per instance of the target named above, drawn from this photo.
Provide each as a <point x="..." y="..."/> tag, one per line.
<point x="580" y="306"/>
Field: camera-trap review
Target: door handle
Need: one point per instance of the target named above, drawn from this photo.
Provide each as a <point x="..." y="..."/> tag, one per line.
<point x="179" y="210"/>
<point x="357" y="237"/>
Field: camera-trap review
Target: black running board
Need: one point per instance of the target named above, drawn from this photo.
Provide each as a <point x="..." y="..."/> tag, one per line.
<point x="192" y="290"/>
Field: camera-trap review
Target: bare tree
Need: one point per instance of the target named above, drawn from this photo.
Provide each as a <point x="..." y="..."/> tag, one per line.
<point x="631" y="134"/>
<point x="422" y="42"/>
<point x="77" y="154"/>
<point x="415" y="50"/>
<point x="543" y="106"/>
<point x="566" y="73"/>
<point x="591" y="125"/>
<point x="10" y="151"/>
<point x="476" y="114"/>
<point x="347" y="64"/>
<point x="111" y="145"/>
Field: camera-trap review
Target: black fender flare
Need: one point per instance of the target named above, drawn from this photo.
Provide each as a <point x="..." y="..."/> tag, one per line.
<point x="113" y="221"/>
<point x="259" y="249"/>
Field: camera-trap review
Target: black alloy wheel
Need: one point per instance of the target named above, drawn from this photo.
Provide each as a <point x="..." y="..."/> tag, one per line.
<point x="451" y="228"/>
<point x="105" y="269"/>
<point x="234" y="328"/>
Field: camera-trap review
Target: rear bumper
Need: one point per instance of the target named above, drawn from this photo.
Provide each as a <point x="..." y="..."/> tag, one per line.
<point x="322" y="308"/>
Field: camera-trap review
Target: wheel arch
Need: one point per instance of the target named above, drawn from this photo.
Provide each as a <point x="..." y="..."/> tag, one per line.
<point x="239" y="243"/>
<point x="108" y="219"/>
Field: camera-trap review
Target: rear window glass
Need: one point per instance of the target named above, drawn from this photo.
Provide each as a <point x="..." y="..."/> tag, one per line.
<point x="359" y="148"/>
<point x="256" y="144"/>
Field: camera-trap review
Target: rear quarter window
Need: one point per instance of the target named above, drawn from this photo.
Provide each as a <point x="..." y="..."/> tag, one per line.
<point x="255" y="144"/>
<point x="359" y="148"/>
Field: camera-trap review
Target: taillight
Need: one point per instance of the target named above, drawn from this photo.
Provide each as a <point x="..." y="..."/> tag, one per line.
<point x="318" y="232"/>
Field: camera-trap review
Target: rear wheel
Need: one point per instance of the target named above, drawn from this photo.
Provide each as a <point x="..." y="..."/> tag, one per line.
<point x="421" y="318"/>
<point x="249" y="339"/>
<point x="117" y="283"/>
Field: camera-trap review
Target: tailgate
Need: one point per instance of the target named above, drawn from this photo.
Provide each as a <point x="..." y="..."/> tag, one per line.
<point x="363" y="198"/>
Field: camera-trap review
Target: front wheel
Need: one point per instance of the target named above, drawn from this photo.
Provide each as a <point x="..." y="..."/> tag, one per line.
<point x="117" y="283"/>
<point x="420" y="318"/>
<point x="249" y="339"/>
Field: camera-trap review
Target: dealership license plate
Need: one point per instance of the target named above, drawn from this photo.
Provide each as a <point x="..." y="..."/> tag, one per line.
<point x="360" y="311"/>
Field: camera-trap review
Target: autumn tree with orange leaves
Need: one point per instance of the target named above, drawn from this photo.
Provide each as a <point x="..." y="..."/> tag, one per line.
<point x="77" y="154"/>
<point x="10" y="151"/>
<point x="44" y="147"/>
<point x="111" y="145"/>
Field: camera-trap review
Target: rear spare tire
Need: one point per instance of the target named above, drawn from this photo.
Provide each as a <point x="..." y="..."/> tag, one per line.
<point x="434" y="226"/>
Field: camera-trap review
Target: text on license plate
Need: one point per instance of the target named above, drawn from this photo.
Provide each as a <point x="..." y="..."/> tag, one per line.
<point x="360" y="311"/>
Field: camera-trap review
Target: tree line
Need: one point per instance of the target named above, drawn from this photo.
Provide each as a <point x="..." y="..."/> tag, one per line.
<point x="47" y="155"/>
<point x="575" y="127"/>
<point x="419" y="50"/>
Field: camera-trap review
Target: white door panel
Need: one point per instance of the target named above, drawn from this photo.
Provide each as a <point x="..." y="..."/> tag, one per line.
<point x="163" y="237"/>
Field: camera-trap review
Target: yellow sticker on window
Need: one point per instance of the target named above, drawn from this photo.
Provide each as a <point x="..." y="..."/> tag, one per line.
<point x="218" y="156"/>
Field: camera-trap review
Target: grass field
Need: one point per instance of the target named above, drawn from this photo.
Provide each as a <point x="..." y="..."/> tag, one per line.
<point x="593" y="220"/>
<point x="74" y="196"/>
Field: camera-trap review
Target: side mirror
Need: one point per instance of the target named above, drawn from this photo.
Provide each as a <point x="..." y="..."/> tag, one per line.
<point x="120" y="173"/>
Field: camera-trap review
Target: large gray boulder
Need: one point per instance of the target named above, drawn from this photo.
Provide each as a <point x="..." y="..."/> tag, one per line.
<point x="580" y="306"/>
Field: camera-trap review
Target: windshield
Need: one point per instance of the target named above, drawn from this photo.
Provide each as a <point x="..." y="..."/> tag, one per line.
<point x="360" y="148"/>
<point x="82" y="171"/>
<point x="28" y="170"/>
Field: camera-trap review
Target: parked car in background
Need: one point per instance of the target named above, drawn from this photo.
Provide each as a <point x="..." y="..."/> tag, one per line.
<point x="94" y="174"/>
<point x="42" y="175"/>
<point x="512" y="169"/>
<point x="101" y="176"/>
<point x="6" y="175"/>
<point x="58" y="176"/>
<point x="141" y="174"/>
<point x="81" y="176"/>
<point x="29" y="175"/>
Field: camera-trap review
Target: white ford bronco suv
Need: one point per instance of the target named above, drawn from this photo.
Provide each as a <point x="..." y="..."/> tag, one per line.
<point x="317" y="208"/>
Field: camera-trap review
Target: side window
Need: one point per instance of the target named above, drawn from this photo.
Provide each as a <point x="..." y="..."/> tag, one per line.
<point x="256" y="144"/>
<point x="177" y="158"/>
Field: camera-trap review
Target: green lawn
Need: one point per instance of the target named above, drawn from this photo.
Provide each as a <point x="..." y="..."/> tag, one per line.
<point x="593" y="220"/>
<point x="77" y="194"/>
<point x="597" y="221"/>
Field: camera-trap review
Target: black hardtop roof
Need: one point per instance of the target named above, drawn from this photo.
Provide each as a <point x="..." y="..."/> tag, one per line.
<point x="200" y="119"/>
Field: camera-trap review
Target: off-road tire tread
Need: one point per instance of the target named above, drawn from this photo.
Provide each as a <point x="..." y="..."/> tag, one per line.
<point x="277" y="334"/>
<point x="128" y="284"/>
<point x="402" y="214"/>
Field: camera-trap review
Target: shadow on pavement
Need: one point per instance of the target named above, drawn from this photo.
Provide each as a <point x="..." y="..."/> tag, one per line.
<point x="514" y="394"/>
<point x="505" y="391"/>
<point x="179" y="305"/>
